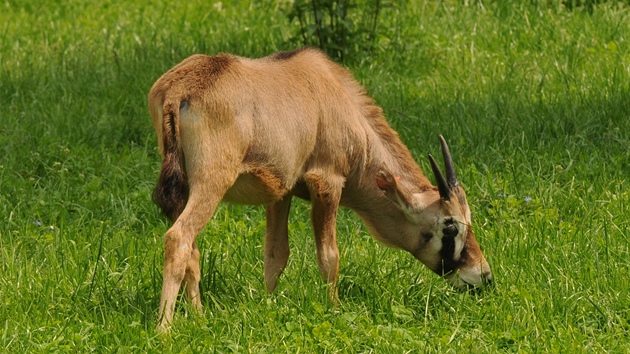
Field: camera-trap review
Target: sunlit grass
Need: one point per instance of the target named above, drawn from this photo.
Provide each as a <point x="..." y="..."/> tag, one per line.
<point x="533" y="100"/>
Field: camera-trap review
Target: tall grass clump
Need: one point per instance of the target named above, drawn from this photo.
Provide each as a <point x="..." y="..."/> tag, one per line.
<point x="533" y="98"/>
<point x="342" y="28"/>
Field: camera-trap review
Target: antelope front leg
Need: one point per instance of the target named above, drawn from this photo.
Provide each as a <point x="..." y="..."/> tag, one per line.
<point x="276" y="241"/>
<point x="325" y="195"/>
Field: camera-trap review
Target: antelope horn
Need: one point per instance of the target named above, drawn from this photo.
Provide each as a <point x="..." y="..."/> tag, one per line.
<point x="451" y="176"/>
<point x="445" y="191"/>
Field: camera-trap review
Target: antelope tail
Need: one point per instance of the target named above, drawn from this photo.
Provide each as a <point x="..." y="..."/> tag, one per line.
<point x="171" y="191"/>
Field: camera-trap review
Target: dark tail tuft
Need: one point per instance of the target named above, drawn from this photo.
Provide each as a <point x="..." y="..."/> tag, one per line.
<point x="171" y="191"/>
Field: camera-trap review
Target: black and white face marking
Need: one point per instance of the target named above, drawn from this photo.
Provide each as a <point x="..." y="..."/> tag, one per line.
<point x="450" y="250"/>
<point x="438" y="232"/>
<point x="453" y="240"/>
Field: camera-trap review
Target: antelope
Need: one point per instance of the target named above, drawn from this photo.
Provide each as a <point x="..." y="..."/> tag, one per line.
<point x="260" y="131"/>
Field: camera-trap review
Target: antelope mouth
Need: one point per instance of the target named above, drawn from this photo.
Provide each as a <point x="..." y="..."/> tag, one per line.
<point x="471" y="283"/>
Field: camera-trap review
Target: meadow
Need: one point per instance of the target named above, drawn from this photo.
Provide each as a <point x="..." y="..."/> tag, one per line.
<point x="533" y="97"/>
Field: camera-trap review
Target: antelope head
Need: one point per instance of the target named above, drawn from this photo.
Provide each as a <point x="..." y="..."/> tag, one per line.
<point x="438" y="229"/>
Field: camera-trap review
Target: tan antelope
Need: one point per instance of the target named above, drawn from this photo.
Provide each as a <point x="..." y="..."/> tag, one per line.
<point x="260" y="131"/>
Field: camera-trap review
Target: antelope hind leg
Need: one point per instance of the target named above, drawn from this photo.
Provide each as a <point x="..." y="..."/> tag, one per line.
<point x="181" y="255"/>
<point x="177" y="252"/>
<point x="192" y="278"/>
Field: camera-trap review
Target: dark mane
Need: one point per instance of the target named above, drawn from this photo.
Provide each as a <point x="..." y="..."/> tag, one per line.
<point x="391" y="140"/>
<point x="285" y="55"/>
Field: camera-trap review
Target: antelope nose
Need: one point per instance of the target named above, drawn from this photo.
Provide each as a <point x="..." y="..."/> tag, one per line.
<point x="487" y="278"/>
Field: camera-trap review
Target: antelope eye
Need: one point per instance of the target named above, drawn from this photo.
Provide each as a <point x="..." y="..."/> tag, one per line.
<point x="450" y="229"/>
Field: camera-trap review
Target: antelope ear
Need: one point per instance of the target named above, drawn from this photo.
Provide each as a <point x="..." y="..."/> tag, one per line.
<point x="395" y="191"/>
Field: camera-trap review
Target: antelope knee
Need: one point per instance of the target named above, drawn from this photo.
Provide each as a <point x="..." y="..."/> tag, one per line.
<point x="177" y="252"/>
<point x="329" y="263"/>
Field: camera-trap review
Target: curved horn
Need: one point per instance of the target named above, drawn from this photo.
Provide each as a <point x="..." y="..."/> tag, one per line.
<point x="445" y="191"/>
<point x="451" y="176"/>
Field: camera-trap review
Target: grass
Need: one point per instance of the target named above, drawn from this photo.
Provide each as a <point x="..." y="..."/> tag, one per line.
<point x="533" y="98"/>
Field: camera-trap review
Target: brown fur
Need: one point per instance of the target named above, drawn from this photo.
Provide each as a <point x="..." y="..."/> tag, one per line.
<point x="171" y="191"/>
<point x="259" y="131"/>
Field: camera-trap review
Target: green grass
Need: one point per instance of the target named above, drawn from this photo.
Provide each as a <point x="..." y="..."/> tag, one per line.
<point x="533" y="98"/>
